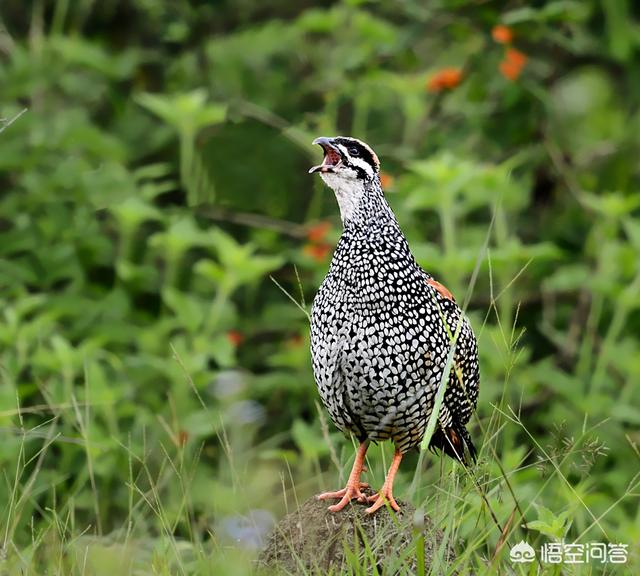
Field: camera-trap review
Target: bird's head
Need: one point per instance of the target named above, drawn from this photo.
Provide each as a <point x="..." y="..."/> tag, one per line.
<point x="347" y="158"/>
<point x="349" y="167"/>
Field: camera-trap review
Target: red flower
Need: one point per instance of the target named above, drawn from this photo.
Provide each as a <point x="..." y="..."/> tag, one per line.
<point x="513" y="63"/>
<point x="318" y="252"/>
<point x="502" y="34"/>
<point x="235" y="337"/>
<point x="318" y="231"/>
<point x="386" y="180"/>
<point x="445" y="79"/>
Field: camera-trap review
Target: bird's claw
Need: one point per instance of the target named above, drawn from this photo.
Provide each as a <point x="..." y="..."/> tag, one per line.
<point x="351" y="492"/>
<point x="379" y="502"/>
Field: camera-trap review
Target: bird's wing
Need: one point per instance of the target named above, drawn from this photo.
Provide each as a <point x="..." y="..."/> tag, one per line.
<point x="451" y="436"/>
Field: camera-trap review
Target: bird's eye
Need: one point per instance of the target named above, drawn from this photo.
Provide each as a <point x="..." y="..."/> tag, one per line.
<point x="354" y="151"/>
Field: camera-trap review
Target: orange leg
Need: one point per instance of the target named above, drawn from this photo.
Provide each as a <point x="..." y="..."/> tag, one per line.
<point x="386" y="492"/>
<point x="354" y="486"/>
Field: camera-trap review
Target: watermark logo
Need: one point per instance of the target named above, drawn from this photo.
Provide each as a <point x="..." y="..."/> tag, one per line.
<point x="522" y="552"/>
<point x="566" y="553"/>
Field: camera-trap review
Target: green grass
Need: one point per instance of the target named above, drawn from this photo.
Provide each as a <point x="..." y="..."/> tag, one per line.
<point x="483" y="510"/>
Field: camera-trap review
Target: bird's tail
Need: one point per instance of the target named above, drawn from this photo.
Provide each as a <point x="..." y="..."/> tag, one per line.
<point x="454" y="441"/>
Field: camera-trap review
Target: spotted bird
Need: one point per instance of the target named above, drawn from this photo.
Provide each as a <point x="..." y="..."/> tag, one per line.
<point x="381" y="331"/>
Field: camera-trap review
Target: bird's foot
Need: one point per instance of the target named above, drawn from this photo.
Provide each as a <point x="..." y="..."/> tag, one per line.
<point x="386" y="492"/>
<point x="380" y="499"/>
<point x="351" y="492"/>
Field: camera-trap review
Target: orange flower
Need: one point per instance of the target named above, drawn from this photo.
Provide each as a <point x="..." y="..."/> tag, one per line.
<point x="516" y="57"/>
<point x="318" y="252"/>
<point x="318" y="231"/>
<point x="502" y="34"/>
<point x="386" y="180"/>
<point x="445" y="79"/>
<point x="513" y="63"/>
<point x="235" y="337"/>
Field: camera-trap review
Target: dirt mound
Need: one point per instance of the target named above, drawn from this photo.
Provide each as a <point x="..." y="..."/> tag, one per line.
<point x="314" y="540"/>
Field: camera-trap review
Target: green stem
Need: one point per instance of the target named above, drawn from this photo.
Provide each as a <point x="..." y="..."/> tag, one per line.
<point x="218" y="305"/>
<point x="505" y="304"/>
<point x="59" y="16"/>
<point x="618" y="322"/>
<point x="448" y="224"/>
<point x="186" y="163"/>
<point x="360" y="113"/>
<point x="585" y="356"/>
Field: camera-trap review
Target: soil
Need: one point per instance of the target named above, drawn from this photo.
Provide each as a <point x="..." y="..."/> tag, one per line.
<point x="313" y="540"/>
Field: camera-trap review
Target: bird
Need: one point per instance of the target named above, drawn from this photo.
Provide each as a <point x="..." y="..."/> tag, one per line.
<point x="381" y="331"/>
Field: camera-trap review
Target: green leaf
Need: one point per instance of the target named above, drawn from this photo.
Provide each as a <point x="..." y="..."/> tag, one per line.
<point x="189" y="311"/>
<point x="308" y="440"/>
<point x="187" y="112"/>
<point x="549" y="523"/>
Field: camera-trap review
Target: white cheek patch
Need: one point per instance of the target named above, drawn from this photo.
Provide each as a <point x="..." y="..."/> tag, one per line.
<point x="354" y="161"/>
<point x="342" y="149"/>
<point x="360" y="163"/>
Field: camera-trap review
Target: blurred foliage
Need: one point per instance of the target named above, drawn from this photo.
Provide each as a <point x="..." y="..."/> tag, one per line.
<point x="156" y="383"/>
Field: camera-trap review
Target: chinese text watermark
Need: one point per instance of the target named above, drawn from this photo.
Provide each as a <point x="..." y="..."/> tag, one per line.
<point x="570" y="553"/>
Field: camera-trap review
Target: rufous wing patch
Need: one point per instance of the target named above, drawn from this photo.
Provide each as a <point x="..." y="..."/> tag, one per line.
<point x="455" y="440"/>
<point x="443" y="290"/>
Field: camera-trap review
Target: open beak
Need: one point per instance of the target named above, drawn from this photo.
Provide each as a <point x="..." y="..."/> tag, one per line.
<point x="332" y="157"/>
